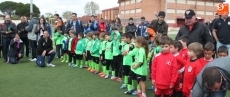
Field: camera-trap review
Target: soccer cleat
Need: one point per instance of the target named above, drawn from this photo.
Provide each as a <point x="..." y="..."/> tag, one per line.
<point x="96" y="72"/>
<point x="70" y="64"/>
<point x="92" y="70"/>
<point x="135" y="93"/>
<point x="106" y="76"/>
<point x="128" y="92"/>
<point x="102" y="76"/>
<point x="119" y="80"/>
<point x="89" y="69"/>
<point x="63" y="61"/>
<point x="101" y="73"/>
<point x="75" y="66"/>
<point x="66" y="61"/>
<point x="151" y="88"/>
<point x="113" y="77"/>
<point x="80" y="66"/>
<point x="124" y="86"/>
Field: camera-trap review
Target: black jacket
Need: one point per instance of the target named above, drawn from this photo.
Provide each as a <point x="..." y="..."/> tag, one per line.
<point x="6" y="27"/>
<point x="14" y="50"/>
<point x="131" y="28"/>
<point x="200" y="33"/>
<point x="44" y="45"/>
<point x="159" y="28"/>
<point x="21" y="26"/>
<point x="79" y="26"/>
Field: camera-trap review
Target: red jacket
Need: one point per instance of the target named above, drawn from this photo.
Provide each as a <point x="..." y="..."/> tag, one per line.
<point x="204" y="62"/>
<point x="164" y="70"/>
<point x="184" y="54"/>
<point x="180" y="65"/>
<point x="102" y="27"/>
<point x="73" y="45"/>
<point x="192" y="69"/>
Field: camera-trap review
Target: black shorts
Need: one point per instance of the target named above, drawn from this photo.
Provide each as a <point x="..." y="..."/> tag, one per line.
<point x="79" y="56"/>
<point x="88" y="56"/>
<point x="64" y="51"/>
<point x="140" y="78"/>
<point x="103" y="62"/>
<point x="95" y="59"/>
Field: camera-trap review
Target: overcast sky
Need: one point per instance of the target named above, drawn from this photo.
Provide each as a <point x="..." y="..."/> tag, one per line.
<point x="69" y="5"/>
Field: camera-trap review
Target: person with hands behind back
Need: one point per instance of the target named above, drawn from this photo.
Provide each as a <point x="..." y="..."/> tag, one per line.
<point x="164" y="70"/>
<point x="16" y="50"/>
<point x="45" y="48"/>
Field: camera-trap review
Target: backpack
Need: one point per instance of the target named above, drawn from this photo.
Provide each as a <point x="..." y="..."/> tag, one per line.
<point x="79" y="22"/>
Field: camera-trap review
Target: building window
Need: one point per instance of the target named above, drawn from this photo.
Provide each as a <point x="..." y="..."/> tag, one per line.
<point x="200" y="3"/>
<point x="171" y="1"/>
<point x="127" y="12"/>
<point x="133" y="1"/>
<point x="132" y="11"/>
<point x="216" y="4"/>
<point x="138" y="0"/>
<point x="122" y="12"/>
<point x="209" y="13"/>
<point x="171" y="21"/>
<point x="122" y="3"/>
<point x="180" y="11"/>
<point x="138" y="10"/>
<point x="181" y="1"/>
<point x="127" y="2"/>
<point x="191" y="2"/>
<point x="170" y="10"/>
<point x="209" y="4"/>
<point x="200" y="12"/>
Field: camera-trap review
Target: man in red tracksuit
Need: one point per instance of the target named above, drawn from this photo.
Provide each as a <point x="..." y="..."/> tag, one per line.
<point x="164" y="70"/>
<point x="102" y="26"/>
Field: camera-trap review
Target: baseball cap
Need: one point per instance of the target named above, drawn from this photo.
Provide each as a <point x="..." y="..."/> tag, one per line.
<point x="189" y="14"/>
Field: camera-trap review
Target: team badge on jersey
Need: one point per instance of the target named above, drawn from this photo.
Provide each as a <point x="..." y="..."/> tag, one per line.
<point x="190" y="69"/>
<point x="168" y="62"/>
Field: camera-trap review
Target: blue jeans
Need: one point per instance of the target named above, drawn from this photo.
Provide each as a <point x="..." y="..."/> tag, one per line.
<point x="218" y="44"/>
<point x="41" y="60"/>
<point x="219" y="94"/>
<point x="6" y="44"/>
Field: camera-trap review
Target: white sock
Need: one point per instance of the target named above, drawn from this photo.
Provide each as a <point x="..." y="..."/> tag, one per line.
<point x="143" y="94"/>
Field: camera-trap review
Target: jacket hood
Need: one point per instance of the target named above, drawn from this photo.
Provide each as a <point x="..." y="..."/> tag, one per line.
<point x="131" y="24"/>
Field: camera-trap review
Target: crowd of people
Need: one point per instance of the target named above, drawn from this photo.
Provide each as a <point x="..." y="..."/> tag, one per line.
<point x="195" y="64"/>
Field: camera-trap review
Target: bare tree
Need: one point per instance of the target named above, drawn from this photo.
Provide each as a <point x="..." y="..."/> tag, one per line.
<point x="48" y="15"/>
<point x="67" y="14"/>
<point x="91" y="8"/>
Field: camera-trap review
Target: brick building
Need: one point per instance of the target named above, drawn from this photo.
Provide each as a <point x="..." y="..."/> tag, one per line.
<point x="175" y="9"/>
<point x="109" y="14"/>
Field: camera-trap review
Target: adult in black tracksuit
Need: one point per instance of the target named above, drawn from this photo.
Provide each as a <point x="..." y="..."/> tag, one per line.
<point x="8" y="29"/>
<point x="23" y="33"/>
<point x="196" y="31"/>
<point x="131" y="27"/>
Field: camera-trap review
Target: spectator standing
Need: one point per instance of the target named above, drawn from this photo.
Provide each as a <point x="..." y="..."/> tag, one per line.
<point x="56" y="16"/>
<point x="102" y="26"/>
<point x="75" y="25"/>
<point x="131" y="27"/>
<point x="42" y="26"/>
<point x="8" y="30"/>
<point x="23" y="33"/>
<point x="60" y="24"/>
<point x="16" y="50"/>
<point x="159" y="25"/>
<point x="45" y="48"/>
<point x="94" y="24"/>
<point x="196" y="31"/>
<point x="142" y="28"/>
<point x="31" y="28"/>
<point x="118" y="25"/>
<point x="108" y="27"/>
<point x="221" y="31"/>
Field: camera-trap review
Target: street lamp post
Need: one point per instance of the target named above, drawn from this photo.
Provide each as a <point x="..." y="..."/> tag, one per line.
<point x="31" y="6"/>
<point x="166" y="8"/>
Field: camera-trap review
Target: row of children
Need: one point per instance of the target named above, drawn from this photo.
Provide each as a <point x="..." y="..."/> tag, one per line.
<point x="173" y="66"/>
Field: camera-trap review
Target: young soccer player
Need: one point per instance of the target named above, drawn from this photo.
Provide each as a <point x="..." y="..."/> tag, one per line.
<point x="72" y="42"/>
<point x="109" y="55"/>
<point x="175" y="47"/>
<point x="164" y="70"/>
<point x="127" y="59"/>
<point x="80" y="49"/>
<point x="116" y="55"/>
<point x="58" y="42"/>
<point x="209" y="51"/>
<point x="184" y="52"/>
<point x="222" y="51"/>
<point x="64" y="48"/>
<point x="95" y="53"/>
<point x="102" y="55"/>
<point x="139" y="67"/>
<point x="157" y="49"/>
<point x="120" y="72"/>
<point x="192" y="68"/>
<point x="87" y="53"/>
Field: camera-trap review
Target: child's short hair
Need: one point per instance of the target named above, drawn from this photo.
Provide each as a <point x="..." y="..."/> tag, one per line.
<point x="81" y="35"/>
<point x="165" y="40"/>
<point x="184" y="39"/>
<point x="86" y="32"/>
<point x="102" y="35"/>
<point x="66" y="33"/>
<point x="209" y="46"/>
<point x="157" y="38"/>
<point x="96" y="33"/>
<point x="127" y="35"/>
<point x="108" y="34"/>
<point x="71" y="32"/>
<point x="89" y="35"/>
<point x="222" y="49"/>
<point x="196" y="47"/>
<point x="177" y="44"/>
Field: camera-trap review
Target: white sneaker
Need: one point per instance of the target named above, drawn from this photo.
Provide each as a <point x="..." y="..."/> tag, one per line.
<point x="50" y="65"/>
<point x="34" y="59"/>
<point x="30" y="59"/>
<point x="106" y="76"/>
<point x="113" y="77"/>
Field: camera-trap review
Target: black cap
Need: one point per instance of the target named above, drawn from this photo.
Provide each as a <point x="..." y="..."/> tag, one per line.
<point x="189" y="14"/>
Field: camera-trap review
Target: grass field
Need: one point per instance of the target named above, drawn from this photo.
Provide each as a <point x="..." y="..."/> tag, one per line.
<point x="28" y="80"/>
